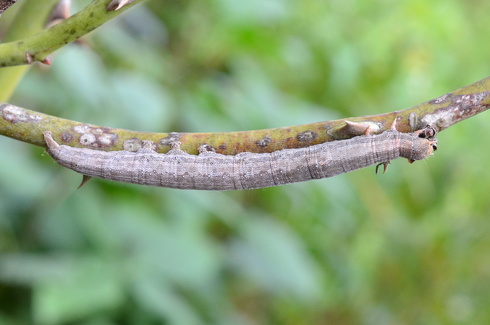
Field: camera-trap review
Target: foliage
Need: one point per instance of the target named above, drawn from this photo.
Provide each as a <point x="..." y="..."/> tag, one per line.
<point x="407" y="247"/>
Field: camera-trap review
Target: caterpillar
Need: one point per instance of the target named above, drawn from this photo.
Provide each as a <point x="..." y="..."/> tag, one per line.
<point x="213" y="171"/>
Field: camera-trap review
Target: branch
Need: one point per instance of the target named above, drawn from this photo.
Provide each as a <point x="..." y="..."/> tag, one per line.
<point x="37" y="47"/>
<point x="30" y="18"/>
<point x="440" y="113"/>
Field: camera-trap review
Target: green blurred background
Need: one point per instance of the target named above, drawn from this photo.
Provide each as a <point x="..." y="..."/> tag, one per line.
<point x="407" y="247"/>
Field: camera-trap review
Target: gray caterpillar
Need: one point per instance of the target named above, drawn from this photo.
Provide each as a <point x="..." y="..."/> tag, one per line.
<point x="213" y="171"/>
<point x="5" y="4"/>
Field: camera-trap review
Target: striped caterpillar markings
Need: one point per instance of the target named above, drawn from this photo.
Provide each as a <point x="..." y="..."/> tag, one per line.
<point x="213" y="171"/>
<point x="5" y="4"/>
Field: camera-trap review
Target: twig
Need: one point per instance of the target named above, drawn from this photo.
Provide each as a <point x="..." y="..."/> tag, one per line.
<point x="37" y="47"/>
<point x="29" y="19"/>
<point x="440" y="113"/>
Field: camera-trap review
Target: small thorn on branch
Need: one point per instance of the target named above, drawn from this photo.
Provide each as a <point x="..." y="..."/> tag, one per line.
<point x="117" y="4"/>
<point x="46" y="61"/>
<point x="30" y="59"/>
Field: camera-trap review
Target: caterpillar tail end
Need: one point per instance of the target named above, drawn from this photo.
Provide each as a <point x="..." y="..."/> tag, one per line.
<point x="50" y="142"/>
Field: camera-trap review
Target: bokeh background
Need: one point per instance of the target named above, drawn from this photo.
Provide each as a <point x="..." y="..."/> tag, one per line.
<point x="411" y="246"/>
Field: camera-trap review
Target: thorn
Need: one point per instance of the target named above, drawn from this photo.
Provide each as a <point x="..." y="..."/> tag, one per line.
<point x="393" y="124"/>
<point x="352" y="129"/>
<point x="117" y="4"/>
<point x="368" y="130"/>
<point x="85" y="179"/>
<point x="47" y="60"/>
<point x="29" y="58"/>
<point x="355" y="128"/>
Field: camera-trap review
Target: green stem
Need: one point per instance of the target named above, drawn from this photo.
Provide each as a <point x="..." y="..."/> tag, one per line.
<point x="30" y="18"/>
<point x="28" y="126"/>
<point x="40" y="45"/>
